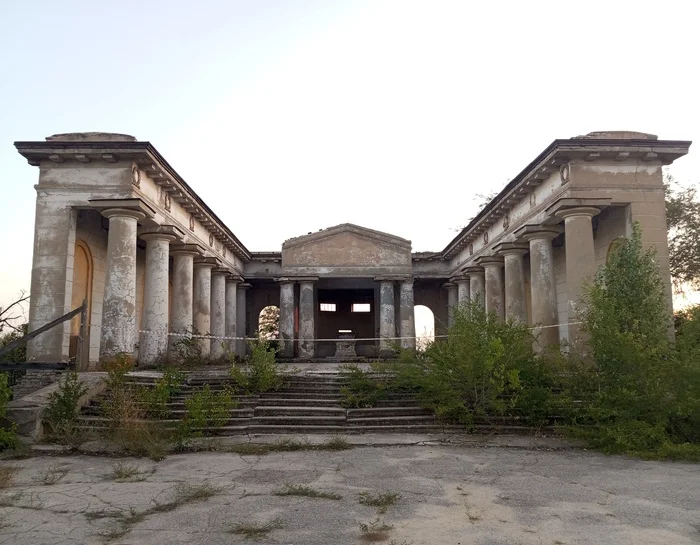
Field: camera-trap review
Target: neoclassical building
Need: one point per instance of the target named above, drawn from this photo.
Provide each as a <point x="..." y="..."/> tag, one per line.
<point x="118" y="227"/>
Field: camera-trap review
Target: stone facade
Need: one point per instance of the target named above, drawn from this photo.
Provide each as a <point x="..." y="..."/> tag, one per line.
<point x="116" y="225"/>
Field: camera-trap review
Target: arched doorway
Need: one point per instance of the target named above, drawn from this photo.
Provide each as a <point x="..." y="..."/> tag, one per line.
<point x="82" y="290"/>
<point x="269" y="323"/>
<point x="425" y="326"/>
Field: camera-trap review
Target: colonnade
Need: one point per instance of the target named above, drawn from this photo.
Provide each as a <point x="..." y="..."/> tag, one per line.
<point x="206" y="297"/>
<point x="497" y="281"/>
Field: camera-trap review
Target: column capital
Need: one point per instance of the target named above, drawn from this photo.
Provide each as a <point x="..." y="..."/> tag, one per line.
<point x="490" y="261"/>
<point x="533" y="232"/>
<point x="186" y="249"/>
<point x="221" y="270"/>
<point x="473" y="270"/>
<point x="234" y="278"/>
<point x="308" y="280"/>
<point x="581" y="211"/>
<point x="204" y="262"/>
<point x="459" y="279"/>
<point x="572" y="203"/>
<point x="123" y="213"/>
<point x="123" y="207"/>
<point x="244" y="286"/>
<point x="158" y="236"/>
<point x="512" y="248"/>
<point x="448" y="285"/>
<point x="171" y="233"/>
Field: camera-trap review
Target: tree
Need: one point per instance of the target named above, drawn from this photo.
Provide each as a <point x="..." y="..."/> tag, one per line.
<point x="269" y="323"/>
<point x="11" y="313"/>
<point x="683" y="222"/>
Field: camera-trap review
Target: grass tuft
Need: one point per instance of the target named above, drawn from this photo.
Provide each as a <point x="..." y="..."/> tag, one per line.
<point x="307" y="491"/>
<point x="376" y="530"/>
<point x="256" y="531"/>
<point x="52" y="475"/>
<point x="122" y="472"/>
<point x="380" y="501"/>
<point x="7" y="473"/>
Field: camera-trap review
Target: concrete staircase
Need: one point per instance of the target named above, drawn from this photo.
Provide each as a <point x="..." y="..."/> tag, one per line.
<point x="306" y="404"/>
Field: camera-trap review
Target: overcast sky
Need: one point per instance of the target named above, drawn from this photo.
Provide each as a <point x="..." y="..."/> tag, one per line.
<point x="288" y="117"/>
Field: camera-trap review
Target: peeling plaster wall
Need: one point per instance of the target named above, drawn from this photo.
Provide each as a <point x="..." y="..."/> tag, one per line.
<point x="431" y="294"/>
<point x="62" y="188"/>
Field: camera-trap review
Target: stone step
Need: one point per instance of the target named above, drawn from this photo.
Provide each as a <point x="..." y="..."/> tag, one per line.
<point x="413" y="410"/>
<point x="299" y="395"/>
<point x="297" y="420"/>
<point x="309" y="389"/>
<point x="293" y="402"/>
<point x="295" y="412"/>
<point x="392" y="420"/>
<point x="275" y="429"/>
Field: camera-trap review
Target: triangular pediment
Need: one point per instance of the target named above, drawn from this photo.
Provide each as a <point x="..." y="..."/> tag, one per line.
<point x="358" y="230"/>
<point x="347" y="246"/>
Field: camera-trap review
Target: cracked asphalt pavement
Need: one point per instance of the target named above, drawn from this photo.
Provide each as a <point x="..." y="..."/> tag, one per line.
<point x="448" y="495"/>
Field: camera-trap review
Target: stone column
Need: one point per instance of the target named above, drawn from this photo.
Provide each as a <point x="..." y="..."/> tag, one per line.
<point x="153" y="345"/>
<point x="462" y="290"/>
<point x="516" y="309"/>
<point x="542" y="286"/>
<point x="241" y="322"/>
<point x="452" y="301"/>
<point x="387" y="326"/>
<point x="286" y="318"/>
<point x="231" y="310"/>
<point x="580" y="258"/>
<point x="201" y="302"/>
<point x="476" y="285"/>
<point x="493" y="280"/>
<point x="218" y="312"/>
<point x="118" y="334"/>
<point x="183" y="275"/>
<point x="407" y="329"/>
<point x="307" y="308"/>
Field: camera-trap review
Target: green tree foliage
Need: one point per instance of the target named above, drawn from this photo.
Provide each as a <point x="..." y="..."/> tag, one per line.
<point x="61" y="414"/>
<point x="683" y="221"/>
<point x="8" y="437"/>
<point x="475" y="371"/>
<point x="640" y="400"/>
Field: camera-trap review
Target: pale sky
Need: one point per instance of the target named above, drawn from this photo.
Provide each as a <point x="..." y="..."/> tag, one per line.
<point x="288" y="117"/>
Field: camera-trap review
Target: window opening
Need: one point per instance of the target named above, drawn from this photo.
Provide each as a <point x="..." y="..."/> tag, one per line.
<point x="327" y="307"/>
<point x="361" y="307"/>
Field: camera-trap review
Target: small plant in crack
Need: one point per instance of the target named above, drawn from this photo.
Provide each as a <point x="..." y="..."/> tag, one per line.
<point x="122" y="472"/>
<point x="52" y="475"/>
<point x="115" y="533"/>
<point x="185" y="492"/>
<point x="256" y="531"/>
<point x="7" y="473"/>
<point x="307" y="491"/>
<point x="377" y="530"/>
<point x="380" y="501"/>
<point x="472" y="515"/>
<point x="335" y="443"/>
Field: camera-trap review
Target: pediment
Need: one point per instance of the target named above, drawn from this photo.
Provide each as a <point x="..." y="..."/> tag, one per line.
<point x="345" y="246"/>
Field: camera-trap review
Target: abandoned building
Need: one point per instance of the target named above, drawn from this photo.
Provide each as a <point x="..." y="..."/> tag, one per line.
<point x="118" y="227"/>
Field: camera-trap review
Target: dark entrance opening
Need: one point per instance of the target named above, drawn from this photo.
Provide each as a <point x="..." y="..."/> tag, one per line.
<point x="346" y="312"/>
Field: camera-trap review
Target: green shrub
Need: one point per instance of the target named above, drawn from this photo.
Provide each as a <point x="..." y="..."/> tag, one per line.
<point x="17" y="355"/>
<point x="156" y="399"/>
<point x="188" y="351"/>
<point x="475" y="371"/>
<point x="261" y="374"/>
<point x="8" y="437"/>
<point x="205" y="409"/>
<point x="362" y="389"/>
<point x="644" y="394"/>
<point x="62" y="411"/>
